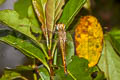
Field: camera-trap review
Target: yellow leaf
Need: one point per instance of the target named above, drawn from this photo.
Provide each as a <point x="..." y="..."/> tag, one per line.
<point x="89" y="39"/>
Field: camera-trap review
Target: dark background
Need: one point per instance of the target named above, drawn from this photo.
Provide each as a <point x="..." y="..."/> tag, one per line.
<point x="107" y="12"/>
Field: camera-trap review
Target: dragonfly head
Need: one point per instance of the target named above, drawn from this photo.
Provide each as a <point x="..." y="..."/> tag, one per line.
<point x="60" y="26"/>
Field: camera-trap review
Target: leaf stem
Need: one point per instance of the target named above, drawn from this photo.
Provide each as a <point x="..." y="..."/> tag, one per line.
<point x="51" y="64"/>
<point x="33" y="66"/>
<point x="54" y="47"/>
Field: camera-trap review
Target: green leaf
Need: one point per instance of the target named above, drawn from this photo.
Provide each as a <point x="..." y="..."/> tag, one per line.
<point x="39" y="7"/>
<point x="70" y="13"/>
<point x="25" y="46"/>
<point x="25" y="71"/>
<point x="44" y="74"/>
<point x="58" y="11"/>
<point x="78" y="69"/>
<point x="25" y="9"/>
<point x="2" y="1"/>
<point x="50" y="17"/>
<point x="60" y="75"/>
<point x="115" y="32"/>
<point x="50" y="14"/>
<point x="69" y="48"/>
<point x="23" y="68"/>
<point x="109" y="61"/>
<point x="93" y="69"/>
<point x="20" y="72"/>
<point x="21" y="6"/>
<point x="11" y="18"/>
<point x="9" y="75"/>
<point x="35" y="23"/>
<point x="115" y="39"/>
<point x="5" y="33"/>
<point x="115" y="43"/>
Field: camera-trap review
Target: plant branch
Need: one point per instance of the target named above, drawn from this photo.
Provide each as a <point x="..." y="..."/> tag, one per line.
<point x="51" y="64"/>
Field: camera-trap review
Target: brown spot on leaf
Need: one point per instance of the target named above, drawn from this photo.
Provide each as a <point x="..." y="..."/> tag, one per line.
<point x="78" y="36"/>
<point x="97" y="46"/>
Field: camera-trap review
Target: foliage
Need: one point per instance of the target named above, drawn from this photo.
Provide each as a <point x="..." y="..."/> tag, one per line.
<point x="109" y="61"/>
<point x="69" y="13"/>
<point x="32" y="21"/>
<point x="2" y="1"/>
<point x="21" y="8"/>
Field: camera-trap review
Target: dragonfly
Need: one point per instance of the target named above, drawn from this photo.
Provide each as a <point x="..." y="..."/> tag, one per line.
<point x="60" y="31"/>
<point x="62" y="40"/>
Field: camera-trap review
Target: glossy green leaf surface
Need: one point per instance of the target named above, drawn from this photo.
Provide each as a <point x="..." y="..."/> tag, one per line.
<point x="109" y="61"/>
<point x="25" y="46"/>
<point x="12" y="19"/>
<point x="60" y="75"/>
<point x="69" y="48"/>
<point x="33" y="18"/>
<point x="70" y="10"/>
<point x="115" y="39"/>
<point x="115" y="43"/>
<point x="21" y="6"/>
<point x="25" y="9"/>
<point x="78" y="68"/>
<point x="44" y="74"/>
